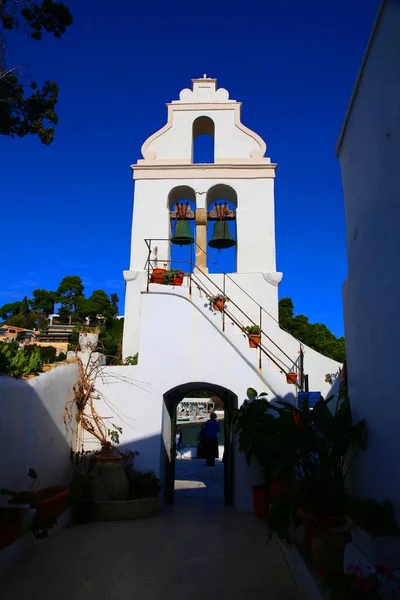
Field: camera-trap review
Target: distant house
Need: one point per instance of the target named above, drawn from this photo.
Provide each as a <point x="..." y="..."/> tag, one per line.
<point x="10" y="333"/>
<point x="56" y="333"/>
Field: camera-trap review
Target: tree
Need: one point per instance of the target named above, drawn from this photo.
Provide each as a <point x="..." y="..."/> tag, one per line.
<point x="114" y="303"/>
<point x="44" y="301"/>
<point x="315" y="335"/>
<point x="10" y="309"/>
<point x="33" y="113"/>
<point x="97" y="305"/>
<point x="70" y="291"/>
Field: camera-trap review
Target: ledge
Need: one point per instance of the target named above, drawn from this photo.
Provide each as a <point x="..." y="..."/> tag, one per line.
<point x="301" y="573"/>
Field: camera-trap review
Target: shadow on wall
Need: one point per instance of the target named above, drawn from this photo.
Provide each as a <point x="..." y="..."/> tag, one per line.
<point x="32" y="432"/>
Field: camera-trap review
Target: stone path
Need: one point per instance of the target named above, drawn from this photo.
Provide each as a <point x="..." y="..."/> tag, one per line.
<point x="195" y="550"/>
<point x="193" y="479"/>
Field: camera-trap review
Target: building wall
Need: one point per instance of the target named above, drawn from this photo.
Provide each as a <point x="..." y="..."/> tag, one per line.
<point x="32" y="431"/>
<point x="369" y="159"/>
<point x="181" y="342"/>
<point x="255" y="219"/>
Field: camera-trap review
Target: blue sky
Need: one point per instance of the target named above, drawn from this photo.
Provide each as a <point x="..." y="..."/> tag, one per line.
<point x="67" y="207"/>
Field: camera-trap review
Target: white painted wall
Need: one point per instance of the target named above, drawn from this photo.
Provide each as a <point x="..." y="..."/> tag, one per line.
<point x="32" y="432"/>
<point x="182" y="342"/>
<point x="255" y="219"/>
<point x="369" y="160"/>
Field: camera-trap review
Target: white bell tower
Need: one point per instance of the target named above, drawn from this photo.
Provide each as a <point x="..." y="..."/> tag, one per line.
<point x="240" y="173"/>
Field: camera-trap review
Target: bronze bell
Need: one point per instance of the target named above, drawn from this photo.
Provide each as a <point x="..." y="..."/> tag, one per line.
<point x="182" y="236"/>
<point x="221" y="237"/>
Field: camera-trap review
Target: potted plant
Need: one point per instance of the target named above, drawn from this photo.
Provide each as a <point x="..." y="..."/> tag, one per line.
<point x="88" y="337"/>
<point x="291" y="377"/>
<point x="11" y="524"/>
<point x="49" y="503"/>
<point x="318" y="494"/>
<point x="363" y="581"/>
<point x="157" y="275"/>
<point x="374" y="530"/>
<point x="254" y="335"/>
<point x="218" y="302"/>
<point x="173" y="277"/>
<point x="253" y="423"/>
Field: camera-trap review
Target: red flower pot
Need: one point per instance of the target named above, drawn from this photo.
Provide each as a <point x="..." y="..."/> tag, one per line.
<point x="178" y="280"/>
<point x="49" y="502"/>
<point x="53" y="502"/>
<point x="261" y="501"/>
<point x="291" y="378"/>
<point x="276" y="487"/>
<point x="10" y="524"/>
<point x="254" y="339"/>
<point x="314" y="526"/>
<point x="158" y="276"/>
<point x="219" y="305"/>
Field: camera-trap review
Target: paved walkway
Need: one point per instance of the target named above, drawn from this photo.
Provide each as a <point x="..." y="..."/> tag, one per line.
<point x="193" y="479"/>
<point x="195" y="550"/>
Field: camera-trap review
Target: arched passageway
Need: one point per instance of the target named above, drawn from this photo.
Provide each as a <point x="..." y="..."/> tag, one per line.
<point x="171" y="400"/>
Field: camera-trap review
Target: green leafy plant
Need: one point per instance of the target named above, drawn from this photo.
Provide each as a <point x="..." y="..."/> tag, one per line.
<point x="142" y="485"/>
<point x="87" y="329"/>
<point x="17" y="363"/>
<point x="376" y="518"/>
<point x="253" y="422"/>
<point x="170" y="275"/>
<point x="132" y="360"/>
<point x="363" y="581"/>
<point x="252" y="329"/>
<point x="114" y="433"/>
<point x="327" y="446"/>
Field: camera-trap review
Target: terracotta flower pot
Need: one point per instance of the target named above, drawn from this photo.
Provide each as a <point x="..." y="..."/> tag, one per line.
<point x="276" y="487"/>
<point x="291" y="378"/>
<point x="178" y="279"/>
<point x="219" y="305"/>
<point x="49" y="502"/>
<point x="261" y="501"/>
<point x="325" y="539"/>
<point x="11" y="524"/>
<point x="254" y="339"/>
<point x="158" y="276"/>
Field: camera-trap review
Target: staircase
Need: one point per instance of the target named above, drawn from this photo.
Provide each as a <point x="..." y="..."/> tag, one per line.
<point x="268" y="360"/>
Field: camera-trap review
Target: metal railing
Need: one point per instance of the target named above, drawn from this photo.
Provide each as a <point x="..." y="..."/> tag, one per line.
<point x="296" y="366"/>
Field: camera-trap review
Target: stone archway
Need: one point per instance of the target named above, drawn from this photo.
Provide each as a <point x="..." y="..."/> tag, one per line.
<point x="171" y="400"/>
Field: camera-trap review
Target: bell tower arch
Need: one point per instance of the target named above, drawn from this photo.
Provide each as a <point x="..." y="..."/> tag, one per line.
<point x="235" y="187"/>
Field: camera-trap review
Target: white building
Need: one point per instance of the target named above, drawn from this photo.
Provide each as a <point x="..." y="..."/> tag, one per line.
<point x="184" y="346"/>
<point x="369" y="151"/>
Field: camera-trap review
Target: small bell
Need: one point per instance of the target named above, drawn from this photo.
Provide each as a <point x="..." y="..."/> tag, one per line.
<point x="182" y="236"/>
<point x="221" y="237"/>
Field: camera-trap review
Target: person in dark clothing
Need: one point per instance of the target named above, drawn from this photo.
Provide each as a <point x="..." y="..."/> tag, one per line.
<point x="179" y="445"/>
<point x="212" y="430"/>
<point x="201" y="442"/>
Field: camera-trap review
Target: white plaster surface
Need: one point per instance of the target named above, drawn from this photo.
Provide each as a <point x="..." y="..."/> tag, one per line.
<point x="32" y="431"/>
<point x="369" y="160"/>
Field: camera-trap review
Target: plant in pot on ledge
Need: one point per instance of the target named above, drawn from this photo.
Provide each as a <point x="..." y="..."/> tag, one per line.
<point x="374" y="530"/>
<point x="106" y="485"/>
<point x="327" y="449"/>
<point x="253" y="423"/>
<point x="218" y="302"/>
<point x="173" y="277"/>
<point x="47" y="505"/>
<point x="254" y="334"/>
<point x="88" y="337"/>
